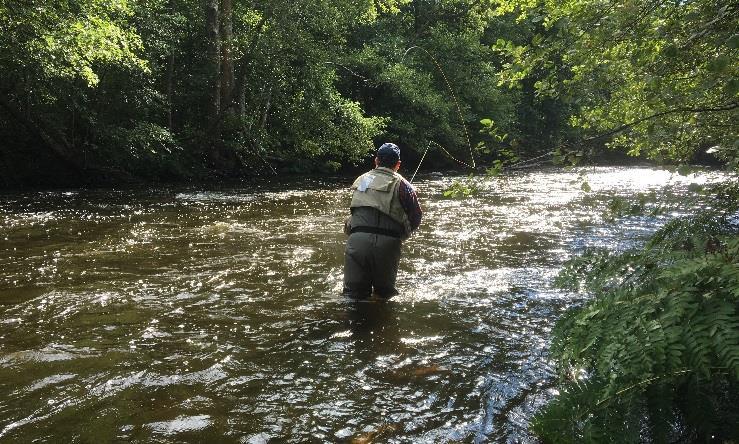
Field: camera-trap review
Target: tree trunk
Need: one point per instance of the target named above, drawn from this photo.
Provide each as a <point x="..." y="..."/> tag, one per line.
<point x="217" y="155"/>
<point x="170" y="92"/>
<point x="265" y="114"/>
<point x="244" y="77"/>
<point x="242" y="107"/>
<point x="214" y="58"/>
<point x="227" y="65"/>
<point x="170" y="77"/>
<point x="243" y="115"/>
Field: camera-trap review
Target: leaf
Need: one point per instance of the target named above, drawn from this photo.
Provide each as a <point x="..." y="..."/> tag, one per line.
<point x="670" y="51"/>
<point x="719" y="64"/>
<point x="585" y="187"/>
<point x="733" y="41"/>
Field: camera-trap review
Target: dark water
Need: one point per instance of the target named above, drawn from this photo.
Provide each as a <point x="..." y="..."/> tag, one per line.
<point x="214" y="316"/>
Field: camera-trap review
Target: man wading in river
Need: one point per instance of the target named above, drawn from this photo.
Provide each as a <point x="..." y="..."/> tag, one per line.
<point x="385" y="211"/>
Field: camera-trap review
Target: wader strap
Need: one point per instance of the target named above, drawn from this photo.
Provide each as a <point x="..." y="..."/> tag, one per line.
<point x="376" y="230"/>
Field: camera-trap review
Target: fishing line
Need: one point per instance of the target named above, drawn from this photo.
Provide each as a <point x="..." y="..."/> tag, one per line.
<point x="454" y="98"/>
<point x="465" y="164"/>
<point x="522" y="164"/>
<point x="518" y="165"/>
<point x="445" y="151"/>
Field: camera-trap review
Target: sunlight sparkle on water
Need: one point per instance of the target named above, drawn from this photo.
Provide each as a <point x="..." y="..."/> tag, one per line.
<point x="218" y="313"/>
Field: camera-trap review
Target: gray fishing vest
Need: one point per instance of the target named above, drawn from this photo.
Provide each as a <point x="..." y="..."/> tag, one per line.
<point x="378" y="189"/>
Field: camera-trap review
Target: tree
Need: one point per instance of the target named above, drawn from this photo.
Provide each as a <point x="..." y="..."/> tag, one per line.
<point x="656" y="78"/>
<point x="51" y="50"/>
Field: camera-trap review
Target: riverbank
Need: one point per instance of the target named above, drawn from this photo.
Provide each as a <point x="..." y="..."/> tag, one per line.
<point x="48" y="173"/>
<point x="654" y="355"/>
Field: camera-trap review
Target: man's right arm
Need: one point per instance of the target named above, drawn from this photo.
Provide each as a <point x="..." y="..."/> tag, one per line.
<point x="409" y="201"/>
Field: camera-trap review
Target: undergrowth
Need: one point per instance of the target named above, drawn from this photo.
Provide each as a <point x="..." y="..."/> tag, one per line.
<point x="654" y="355"/>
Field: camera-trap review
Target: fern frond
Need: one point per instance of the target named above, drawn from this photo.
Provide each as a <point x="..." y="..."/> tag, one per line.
<point x="659" y="342"/>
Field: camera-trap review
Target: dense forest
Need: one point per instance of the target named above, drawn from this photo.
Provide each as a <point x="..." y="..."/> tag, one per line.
<point x="167" y="91"/>
<point x="171" y="90"/>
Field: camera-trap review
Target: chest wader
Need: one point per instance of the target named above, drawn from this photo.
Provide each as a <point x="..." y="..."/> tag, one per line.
<point x="378" y="225"/>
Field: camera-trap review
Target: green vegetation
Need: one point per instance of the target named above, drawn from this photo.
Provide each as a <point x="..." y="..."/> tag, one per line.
<point x="104" y="92"/>
<point x="643" y="204"/>
<point x="109" y="92"/>
<point x="655" y="355"/>
<point x="462" y="188"/>
<point x="655" y="78"/>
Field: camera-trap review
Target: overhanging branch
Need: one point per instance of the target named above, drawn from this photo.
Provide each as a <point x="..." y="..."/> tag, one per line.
<point x="660" y="114"/>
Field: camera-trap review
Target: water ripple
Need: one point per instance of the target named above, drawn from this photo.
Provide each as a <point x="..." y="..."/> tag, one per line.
<point x="193" y="315"/>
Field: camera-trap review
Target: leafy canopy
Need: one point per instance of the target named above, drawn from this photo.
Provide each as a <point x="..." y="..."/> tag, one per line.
<point x="655" y="78"/>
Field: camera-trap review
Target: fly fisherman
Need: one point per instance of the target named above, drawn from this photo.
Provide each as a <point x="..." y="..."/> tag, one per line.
<point x="384" y="212"/>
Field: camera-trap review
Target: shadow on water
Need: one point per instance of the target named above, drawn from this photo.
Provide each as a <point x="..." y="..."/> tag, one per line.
<point x="374" y="326"/>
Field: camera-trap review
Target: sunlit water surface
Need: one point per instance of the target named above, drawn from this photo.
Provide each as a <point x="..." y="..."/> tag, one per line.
<point x="214" y="316"/>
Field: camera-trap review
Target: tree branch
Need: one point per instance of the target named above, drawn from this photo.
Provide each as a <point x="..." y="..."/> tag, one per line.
<point x="660" y="114"/>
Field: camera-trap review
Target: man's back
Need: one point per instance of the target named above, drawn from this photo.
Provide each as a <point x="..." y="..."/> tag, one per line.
<point x="384" y="210"/>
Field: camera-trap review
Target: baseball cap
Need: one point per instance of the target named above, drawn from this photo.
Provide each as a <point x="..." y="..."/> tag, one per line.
<point x="389" y="151"/>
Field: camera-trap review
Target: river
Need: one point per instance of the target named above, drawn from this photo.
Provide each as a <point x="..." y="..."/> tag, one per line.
<point x="191" y="315"/>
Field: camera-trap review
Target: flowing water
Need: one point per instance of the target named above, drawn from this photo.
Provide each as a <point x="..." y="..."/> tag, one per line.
<point x="188" y="315"/>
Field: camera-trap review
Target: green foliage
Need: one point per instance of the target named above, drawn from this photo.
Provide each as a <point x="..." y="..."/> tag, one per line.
<point x="430" y="69"/>
<point x="496" y="143"/>
<point x="568" y="157"/>
<point x="460" y="189"/>
<point x="639" y="206"/>
<point x="338" y="129"/>
<point x="146" y="150"/>
<point x="68" y="39"/>
<point x="314" y="82"/>
<point x="295" y="110"/>
<point x="726" y="195"/>
<point x="654" y="80"/>
<point x="655" y="355"/>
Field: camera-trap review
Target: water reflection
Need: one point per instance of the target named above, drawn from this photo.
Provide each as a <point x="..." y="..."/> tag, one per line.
<point x="188" y="315"/>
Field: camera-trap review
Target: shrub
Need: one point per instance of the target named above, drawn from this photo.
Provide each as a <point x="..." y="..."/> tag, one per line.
<point x="654" y="356"/>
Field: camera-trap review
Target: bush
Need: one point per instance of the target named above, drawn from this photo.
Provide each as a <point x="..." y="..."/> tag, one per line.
<point x="655" y="355"/>
<point x="146" y="150"/>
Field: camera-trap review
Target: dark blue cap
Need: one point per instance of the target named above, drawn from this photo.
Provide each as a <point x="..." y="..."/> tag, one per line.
<point x="389" y="152"/>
